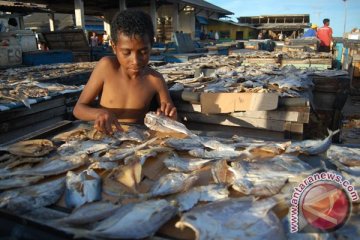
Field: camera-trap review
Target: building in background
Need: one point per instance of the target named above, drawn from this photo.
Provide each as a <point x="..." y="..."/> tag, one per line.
<point x="291" y="26"/>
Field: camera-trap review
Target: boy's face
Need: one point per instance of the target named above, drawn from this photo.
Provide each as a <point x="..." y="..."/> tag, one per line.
<point x="133" y="53"/>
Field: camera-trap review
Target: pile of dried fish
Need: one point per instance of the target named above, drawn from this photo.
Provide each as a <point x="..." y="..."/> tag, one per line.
<point x="24" y="84"/>
<point x="214" y="184"/>
<point x="229" y="75"/>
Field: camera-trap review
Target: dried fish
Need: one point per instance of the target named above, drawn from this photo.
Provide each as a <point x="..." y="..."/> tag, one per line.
<point x="36" y="196"/>
<point x="132" y="134"/>
<point x="30" y="148"/>
<point x="128" y="175"/>
<point x="345" y="155"/>
<point x="209" y="193"/>
<point x="216" y="145"/>
<point x="241" y="218"/>
<point x="175" y="163"/>
<point x="103" y="165"/>
<point x="312" y="147"/>
<point x="164" y="124"/>
<point x="172" y="183"/>
<point x="16" y="161"/>
<point x="121" y="153"/>
<point x="16" y="182"/>
<point x="51" y="167"/>
<point x="132" y="221"/>
<point x="215" y="154"/>
<point x="81" y="147"/>
<point x="267" y="177"/>
<point x="73" y="135"/>
<point x="221" y="173"/>
<point x="150" y="152"/>
<point x="182" y="144"/>
<point x="89" y="213"/>
<point x="82" y="188"/>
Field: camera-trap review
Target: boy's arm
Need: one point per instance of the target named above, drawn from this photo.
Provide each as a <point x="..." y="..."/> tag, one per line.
<point x="163" y="96"/>
<point x="102" y="117"/>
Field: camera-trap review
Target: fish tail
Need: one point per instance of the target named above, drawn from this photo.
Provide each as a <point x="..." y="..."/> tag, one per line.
<point x="78" y="233"/>
<point x="332" y="133"/>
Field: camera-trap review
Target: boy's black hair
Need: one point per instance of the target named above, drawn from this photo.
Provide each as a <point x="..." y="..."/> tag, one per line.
<point x="326" y="20"/>
<point x="132" y="23"/>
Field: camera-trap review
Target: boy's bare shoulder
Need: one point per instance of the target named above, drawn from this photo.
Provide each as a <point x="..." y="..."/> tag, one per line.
<point x="154" y="75"/>
<point x="108" y="62"/>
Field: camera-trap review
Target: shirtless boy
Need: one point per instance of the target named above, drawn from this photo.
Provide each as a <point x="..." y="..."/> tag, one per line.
<point x="125" y="84"/>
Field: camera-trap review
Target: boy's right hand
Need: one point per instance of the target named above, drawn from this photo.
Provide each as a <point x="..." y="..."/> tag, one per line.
<point x="104" y="121"/>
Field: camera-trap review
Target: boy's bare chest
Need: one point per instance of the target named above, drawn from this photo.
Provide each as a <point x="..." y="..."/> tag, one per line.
<point x="125" y="95"/>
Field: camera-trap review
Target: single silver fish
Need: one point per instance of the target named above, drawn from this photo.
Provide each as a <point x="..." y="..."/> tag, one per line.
<point x="150" y="152"/>
<point x="215" y="154"/>
<point x="121" y="153"/>
<point x="82" y="147"/>
<point x="103" y="165"/>
<point x="89" y="213"/>
<point x="52" y="166"/>
<point x="175" y="163"/>
<point x="132" y="221"/>
<point x="82" y="188"/>
<point x="241" y="218"/>
<point x="29" y="198"/>
<point x="73" y="135"/>
<point x="172" y="183"/>
<point x="132" y="134"/>
<point x="182" y="144"/>
<point x="164" y="124"/>
<point x="216" y="145"/>
<point x="345" y="155"/>
<point x="312" y="147"/>
<point x="16" y="182"/>
<point x="266" y="178"/>
<point x="209" y="193"/>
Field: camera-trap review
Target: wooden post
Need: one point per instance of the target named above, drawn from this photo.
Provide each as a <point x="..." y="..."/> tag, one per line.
<point x="122" y="5"/>
<point x="21" y="23"/>
<point x="52" y="21"/>
<point x="175" y="17"/>
<point x="153" y="14"/>
<point x="79" y="13"/>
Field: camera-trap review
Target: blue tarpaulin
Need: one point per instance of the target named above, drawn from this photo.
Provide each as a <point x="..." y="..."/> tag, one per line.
<point x="202" y="20"/>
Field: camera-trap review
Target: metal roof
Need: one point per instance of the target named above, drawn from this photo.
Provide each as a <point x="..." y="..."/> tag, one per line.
<point x="97" y="7"/>
<point x="208" y="6"/>
<point x="22" y="7"/>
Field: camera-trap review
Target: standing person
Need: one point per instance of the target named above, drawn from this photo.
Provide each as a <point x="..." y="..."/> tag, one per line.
<point x="106" y="39"/>
<point x="216" y="36"/>
<point x="312" y="32"/>
<point x="94" y="40"/>
<point x="281" y="36"/>
<point x="325" y="35"/>
<point x="125" y="84"/>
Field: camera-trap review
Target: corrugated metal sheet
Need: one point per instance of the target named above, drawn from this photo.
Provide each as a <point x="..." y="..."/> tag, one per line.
<point x="19" y="7"/>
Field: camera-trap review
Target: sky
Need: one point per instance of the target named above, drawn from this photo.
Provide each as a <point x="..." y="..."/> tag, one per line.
<point x="317" y="9"/>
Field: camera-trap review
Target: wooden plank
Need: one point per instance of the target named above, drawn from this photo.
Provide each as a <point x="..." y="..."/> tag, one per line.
<point x="300" y="115"/>
<point x="10" y="136"/>
<point x="37" y="107"/>
<point x="215" y="130"/>
<point x="231" y="102"/>
<point x="273" y="125"/>
<point x="14" y="124"/>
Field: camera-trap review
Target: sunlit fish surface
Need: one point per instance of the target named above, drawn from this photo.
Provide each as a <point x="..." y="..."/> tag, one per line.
<point x="241" y="218"/>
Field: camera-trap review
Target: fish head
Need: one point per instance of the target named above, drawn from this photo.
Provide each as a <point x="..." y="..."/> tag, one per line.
<point x="151" y="119"/>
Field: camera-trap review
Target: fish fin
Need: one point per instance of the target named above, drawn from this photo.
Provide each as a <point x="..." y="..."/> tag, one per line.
<point x="78" y="233"/>
<point x="332" y="133"/>
<point x="26" y="102"/>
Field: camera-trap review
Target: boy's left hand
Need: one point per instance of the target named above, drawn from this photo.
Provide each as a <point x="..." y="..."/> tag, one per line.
<point x="168" y="110"/>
